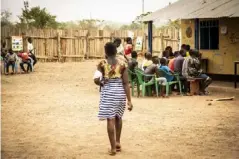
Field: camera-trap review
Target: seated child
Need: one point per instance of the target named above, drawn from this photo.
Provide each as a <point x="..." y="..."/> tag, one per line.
<point x="153" y="70"/>
<point x="165" y="68"/>
<point x="170" y="51"/>
<point x="187" y="49"/>
<point x="148" y="60"/>
<point x="166" y="56"/>
<point x="10" y="59"/>
<point x="133" y="63"/>
<point x="26" y="59"/>
<point x="171" y="61"/>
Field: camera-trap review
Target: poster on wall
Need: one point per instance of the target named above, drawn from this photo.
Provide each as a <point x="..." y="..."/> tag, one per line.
<point x="139" y="43"/>
<point x="17" y="43"/>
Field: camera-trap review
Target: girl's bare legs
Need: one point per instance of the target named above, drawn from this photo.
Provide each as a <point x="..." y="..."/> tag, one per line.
<point x="118" y="128"/>
<point x="111" y="134"/>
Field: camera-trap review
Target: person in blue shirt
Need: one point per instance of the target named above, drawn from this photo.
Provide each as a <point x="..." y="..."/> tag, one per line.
<point x="163" y="66"/>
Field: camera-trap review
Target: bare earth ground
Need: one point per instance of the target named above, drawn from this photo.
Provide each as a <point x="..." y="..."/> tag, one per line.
<point x="52" y="113"/>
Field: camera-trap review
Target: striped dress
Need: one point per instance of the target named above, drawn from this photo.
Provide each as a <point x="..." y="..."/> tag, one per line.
<point x="112" y="95"/>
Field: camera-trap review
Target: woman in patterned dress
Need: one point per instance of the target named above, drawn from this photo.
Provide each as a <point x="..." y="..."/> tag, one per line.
<point x="114" y="91"/>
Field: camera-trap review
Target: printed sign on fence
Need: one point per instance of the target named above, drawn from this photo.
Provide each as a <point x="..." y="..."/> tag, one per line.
<point x="17" y="43"/>
<point x="139" y="43"/>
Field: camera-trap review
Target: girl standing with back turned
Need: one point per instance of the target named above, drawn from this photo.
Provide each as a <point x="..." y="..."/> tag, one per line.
<point x="114" y="91"/>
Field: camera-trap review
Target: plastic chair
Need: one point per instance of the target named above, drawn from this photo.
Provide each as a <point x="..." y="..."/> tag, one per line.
<point x="162" y="73"/>
<point x="142" y="81"/>
<point x="133" y="82"/>
<point x="5" y="67"/>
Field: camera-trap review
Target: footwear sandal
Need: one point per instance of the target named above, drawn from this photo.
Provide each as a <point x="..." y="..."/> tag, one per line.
<point x="118" y="148"/>
<point x="111" y="153"/>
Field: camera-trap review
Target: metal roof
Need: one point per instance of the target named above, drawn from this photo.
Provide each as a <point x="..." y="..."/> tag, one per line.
<point x="191" y="9"/>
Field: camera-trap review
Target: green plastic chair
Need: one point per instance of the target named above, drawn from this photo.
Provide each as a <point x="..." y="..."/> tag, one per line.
<point x="162" y="73"/>
<point x="133" y="82"/>
<point x="142" y="81"/>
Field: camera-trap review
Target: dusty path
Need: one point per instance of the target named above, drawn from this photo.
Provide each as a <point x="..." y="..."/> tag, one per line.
<point x="52" y="113"/>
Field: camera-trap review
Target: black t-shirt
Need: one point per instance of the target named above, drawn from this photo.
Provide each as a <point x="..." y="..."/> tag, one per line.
<point x="132" y="64"/>
<point x="151" y="70"/>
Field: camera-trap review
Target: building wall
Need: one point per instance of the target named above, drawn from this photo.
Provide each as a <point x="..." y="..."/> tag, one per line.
<point x="220" y="61"/>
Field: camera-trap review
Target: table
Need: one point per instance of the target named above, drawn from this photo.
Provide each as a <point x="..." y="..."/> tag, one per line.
<point x="235" y="73"/>
<point x="204" y="62"/>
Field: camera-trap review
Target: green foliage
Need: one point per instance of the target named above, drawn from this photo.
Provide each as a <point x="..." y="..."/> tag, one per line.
<point x="89" y="24"/>
<point x="5" y="18"/>
<point x="38" y="18"/>
<point x="68" y="25"/>
<point x="85" y="24"/>
<point x="132" y="26"/>
<point x="142" y="15"/>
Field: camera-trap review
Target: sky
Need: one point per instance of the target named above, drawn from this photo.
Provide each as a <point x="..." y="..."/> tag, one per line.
<point x="123" y="11"/>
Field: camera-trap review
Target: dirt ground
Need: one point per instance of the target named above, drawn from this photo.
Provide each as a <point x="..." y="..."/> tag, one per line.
<point x="52" y="113"/>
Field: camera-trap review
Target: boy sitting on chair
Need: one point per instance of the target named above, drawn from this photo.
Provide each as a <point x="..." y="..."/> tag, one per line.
<point x="10" y="59"/>
<point x="166" y="69"/>
<point x="133" y="63"/>
<point x="148" y="61"/>
<point x="153" y="70"/>
<point x="26" y="59"/>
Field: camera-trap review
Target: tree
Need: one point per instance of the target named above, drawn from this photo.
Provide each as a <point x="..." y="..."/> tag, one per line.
<point x="5" y="18"/>
<point x="90" y="24"/>
<point x="142" y="15"/>
<point x="135" y="25"/>
<point x="132" y="26"/>
<point x="38" y="18"/>
<point x="68" y="25"/>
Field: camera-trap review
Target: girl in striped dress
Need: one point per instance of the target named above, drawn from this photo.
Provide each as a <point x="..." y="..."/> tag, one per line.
<point x="114" y="91"/>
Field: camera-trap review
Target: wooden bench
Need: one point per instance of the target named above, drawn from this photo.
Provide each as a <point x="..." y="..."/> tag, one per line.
<point x="194" y="85"/>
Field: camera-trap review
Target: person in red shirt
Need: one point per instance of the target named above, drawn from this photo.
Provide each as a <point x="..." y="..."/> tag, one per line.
<point x="128" y="47"/>
<point x="171" y="62"/>
<point x="25" y="60"/>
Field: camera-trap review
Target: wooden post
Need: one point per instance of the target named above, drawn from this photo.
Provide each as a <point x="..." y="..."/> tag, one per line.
<point x="144" y="49"/>
<point x="86" y="46"/>
<point x="24" y="38"/>
<point x="58" y="47"/>
<point x="45" y="43"/>
<point x="162" y="44"/>
<point x="150" y="36"/>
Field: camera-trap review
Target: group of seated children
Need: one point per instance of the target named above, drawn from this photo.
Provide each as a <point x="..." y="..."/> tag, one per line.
<point x="23" y="58"/>
<point x="12" y="59"/>
<point x="186" y="63"/>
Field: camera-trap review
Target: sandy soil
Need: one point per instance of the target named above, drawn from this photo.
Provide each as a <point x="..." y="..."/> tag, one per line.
<point x="52" y="113"/>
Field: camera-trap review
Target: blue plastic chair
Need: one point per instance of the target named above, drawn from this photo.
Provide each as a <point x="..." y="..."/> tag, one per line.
<point x="162" y="73"/>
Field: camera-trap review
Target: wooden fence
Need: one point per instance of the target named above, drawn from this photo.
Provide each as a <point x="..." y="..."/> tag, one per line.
<point x="74" y="45"/>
